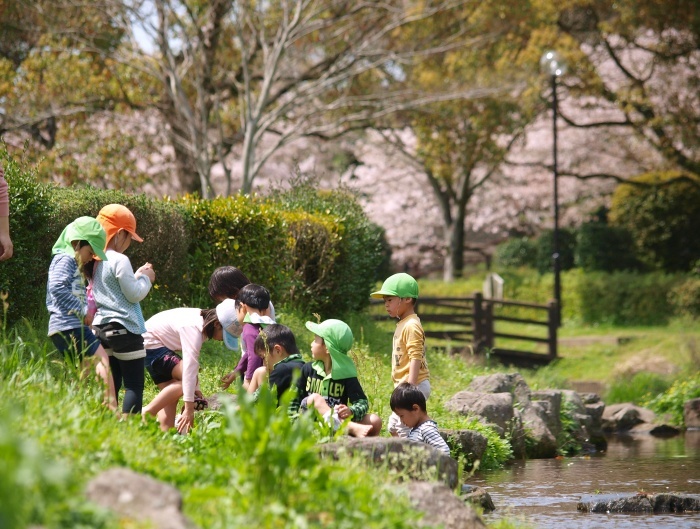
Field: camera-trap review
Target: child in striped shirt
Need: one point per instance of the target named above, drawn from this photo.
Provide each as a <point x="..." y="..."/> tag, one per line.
<point x="408" y="402"/>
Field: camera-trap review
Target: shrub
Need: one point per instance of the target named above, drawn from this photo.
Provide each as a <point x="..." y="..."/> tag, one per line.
<point x="314" y="250"/>
<point x="515" y="253"/>
<point x="360" y="251"/>
<point x="662" y="212"/>
<point x="672" y="401"/>
<point x="600" y="247"/>
<point x="685" y="298"/>
<point x="24" y="276"/>
<point x="625" y="298"/>
<point x="544" y="247"/>
<point x="239" y="231"/>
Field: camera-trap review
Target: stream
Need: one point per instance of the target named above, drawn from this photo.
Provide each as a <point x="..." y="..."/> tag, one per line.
<point x="543" y="493"/>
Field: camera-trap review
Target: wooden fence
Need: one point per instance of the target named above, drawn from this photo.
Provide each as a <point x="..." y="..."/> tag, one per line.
<point x="488" y="326"/>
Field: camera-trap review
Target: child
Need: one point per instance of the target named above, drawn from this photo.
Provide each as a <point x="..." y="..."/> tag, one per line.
<point x="185" y="330"/>
<point x="225" y="283"/>
<point x="408" y="402"/>
<point x="117" y="291"/>
<point x="330" y="381"/>
<point x="408" y="362"/>
<point x="277" y="348"/>
<point x="252" y="302"/>
<point x="77" y="245"/>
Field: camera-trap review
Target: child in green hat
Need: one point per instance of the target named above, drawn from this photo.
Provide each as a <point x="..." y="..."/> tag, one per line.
<point x="77" y="246"/>
<point x="329" y="383"/>
<point x="408" y="362"/>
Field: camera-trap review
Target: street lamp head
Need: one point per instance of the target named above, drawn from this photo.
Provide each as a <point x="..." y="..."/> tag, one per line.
<point x="552" y="64"/>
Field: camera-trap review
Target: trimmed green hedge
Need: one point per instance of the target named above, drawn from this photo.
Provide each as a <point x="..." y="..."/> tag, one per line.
<point x="323" y="258"/>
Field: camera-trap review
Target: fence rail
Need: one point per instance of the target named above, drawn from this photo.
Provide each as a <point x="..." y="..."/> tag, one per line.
<point x="476" y="323"/>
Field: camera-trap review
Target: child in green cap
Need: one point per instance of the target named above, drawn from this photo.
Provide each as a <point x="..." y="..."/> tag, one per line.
<point x="329" y="383"/>
<point x="408" y="362"/>
<point x="77" y="246"/>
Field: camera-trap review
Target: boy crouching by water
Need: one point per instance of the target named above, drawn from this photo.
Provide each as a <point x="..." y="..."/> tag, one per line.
<point x="408" y="402"/>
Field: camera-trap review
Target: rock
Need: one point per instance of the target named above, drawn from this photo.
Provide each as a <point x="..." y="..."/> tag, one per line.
<point x="639" y="503"/>
<point x="418" y="461"/>
<point x="535" y="420"/>
<point x="622" y="417"/>
<point x="138" y="497"/>
<point x="691" y="414"/>
<point x="553" y="399"/>
<point x="657" y="430"/>
<point x="477" y="496"/>
<point x="512" y="383"/>
<point x="442" y="507"/>
<point x="494" y="408"/>
<point x="470" y="443"/>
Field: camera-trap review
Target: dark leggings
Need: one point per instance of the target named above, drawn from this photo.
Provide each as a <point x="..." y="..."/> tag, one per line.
<point x="132" y="373"/>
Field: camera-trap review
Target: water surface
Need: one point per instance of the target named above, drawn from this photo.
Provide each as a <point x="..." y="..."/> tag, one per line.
<point x="543" y="493"/>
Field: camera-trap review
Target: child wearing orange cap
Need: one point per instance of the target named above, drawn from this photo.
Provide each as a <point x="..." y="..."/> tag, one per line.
<point x="118" y="290"/>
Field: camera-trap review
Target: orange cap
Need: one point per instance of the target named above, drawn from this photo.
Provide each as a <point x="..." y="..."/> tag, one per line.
<point x="115" y="217"/>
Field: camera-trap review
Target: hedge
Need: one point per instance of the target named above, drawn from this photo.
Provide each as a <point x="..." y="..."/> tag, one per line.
<point x="324" y="257"/>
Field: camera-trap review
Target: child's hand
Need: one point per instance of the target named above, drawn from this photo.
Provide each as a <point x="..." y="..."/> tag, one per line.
<point x="87" y="319"/>
<point x="226" y="380"/>
<point x="147" y="270"/>
<point x="343" y="411"/>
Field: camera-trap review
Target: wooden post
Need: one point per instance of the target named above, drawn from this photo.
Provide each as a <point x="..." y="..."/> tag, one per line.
<point x="552" y="325"/>
<point x="478" y="323"/>
<point x="489" y="330"/>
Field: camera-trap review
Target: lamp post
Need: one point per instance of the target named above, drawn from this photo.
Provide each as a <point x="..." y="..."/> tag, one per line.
<point x="552" y="64"/>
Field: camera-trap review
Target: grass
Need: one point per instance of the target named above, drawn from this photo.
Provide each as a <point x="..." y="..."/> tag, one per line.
<point x="254" y="467"/>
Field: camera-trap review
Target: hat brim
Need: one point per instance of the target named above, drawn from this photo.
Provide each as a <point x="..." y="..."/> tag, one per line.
<point x="382" y="293"/>
<point x="230" y="341"/>
<point x="99" y="253"/>
<point x="135" y="236"/>
<point x="315" y="328"/>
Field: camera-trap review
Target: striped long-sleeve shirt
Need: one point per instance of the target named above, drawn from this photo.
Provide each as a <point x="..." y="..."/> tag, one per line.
<point x="427" y="432"/>
<point x="65" y="294"/>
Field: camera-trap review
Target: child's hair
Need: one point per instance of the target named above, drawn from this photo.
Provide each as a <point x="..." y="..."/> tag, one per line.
<point x="405" y="395"/>
<point x="226" y="281"/>
<point x="255" y="296"/>
<point x="210" y="319"/>
<point x="88" y="268"/>
<point x="275" y="334"/>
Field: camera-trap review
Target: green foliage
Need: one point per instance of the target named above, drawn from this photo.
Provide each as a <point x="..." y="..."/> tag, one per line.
<point x="315" y="248"/>
<point x="242" y="231"/>
<point x="567" y="444"/>
<point x="515" y="253"/>
<point x="685" y="298"/>
<point x="360" y="251"/>
<point x="544" y="246"/>
<point x="662" y="212"/>
<point x="671" y="402"/>
<point x="600" y="247"/>
<point x="24" y="276"/>
<point x="625" y="298"/>
<point x="638" y="388"/>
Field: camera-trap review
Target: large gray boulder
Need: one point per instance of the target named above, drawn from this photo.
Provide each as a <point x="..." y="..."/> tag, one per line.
<point x="442" y="507"/>
<point x="470" y="443"/>
<point x="137" y="497"/>
<point x="417" y="461"/>
<point x="512" y="383"/>
<point x="496" y="408"/>
<point x="536" y="417"/>
<point x="691" y="414"/>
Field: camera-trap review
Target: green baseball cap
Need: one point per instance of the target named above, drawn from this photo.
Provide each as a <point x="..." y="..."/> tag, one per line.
<point x="401" y="285"/>
<point x="338" y="338"/>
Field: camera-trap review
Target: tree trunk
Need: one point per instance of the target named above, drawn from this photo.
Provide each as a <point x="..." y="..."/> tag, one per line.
<point x="454" y="246"/>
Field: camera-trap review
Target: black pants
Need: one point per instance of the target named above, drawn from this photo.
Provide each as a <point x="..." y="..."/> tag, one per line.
<point x="116" y="339"/>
